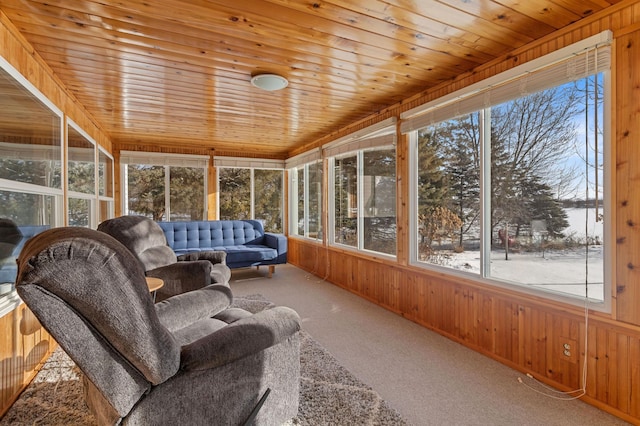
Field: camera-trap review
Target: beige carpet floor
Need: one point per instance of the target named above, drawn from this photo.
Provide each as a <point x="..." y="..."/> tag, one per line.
<point x="428" y="378"/>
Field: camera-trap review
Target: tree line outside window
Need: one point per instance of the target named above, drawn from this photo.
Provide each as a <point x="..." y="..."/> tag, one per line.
<point x="175" y="193"/>
<point x="252" y="193"/>
<point x="166" y="192"/>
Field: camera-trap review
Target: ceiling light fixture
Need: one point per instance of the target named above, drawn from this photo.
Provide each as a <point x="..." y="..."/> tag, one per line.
<point x="269" y="82"/>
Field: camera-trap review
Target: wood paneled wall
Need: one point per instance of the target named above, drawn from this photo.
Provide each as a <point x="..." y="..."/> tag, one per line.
<point x="627" y="178"/>
<point x="525" y="332"/>
<point x="24" y="346"/>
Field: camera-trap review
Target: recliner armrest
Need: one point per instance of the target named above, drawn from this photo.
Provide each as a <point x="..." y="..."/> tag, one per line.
<point x="213" y="256"/>
<point x="184" y="309"/>
<point x="181" y="277"/>
<point x="243" y="337"/>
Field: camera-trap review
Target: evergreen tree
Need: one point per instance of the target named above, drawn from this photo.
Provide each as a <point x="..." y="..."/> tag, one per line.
<point x="186" y="188"/>
<point x="462" y="168"/>
<point x="541" y="205"/>
<point x="432" y="185"/>
<point x="268" y="198"/>
<point x="235" y="193"/>
<point x="437" y="220"/>
<point x="146" y="190"/>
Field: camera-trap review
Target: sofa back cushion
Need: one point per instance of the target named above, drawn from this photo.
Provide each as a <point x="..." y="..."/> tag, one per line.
<point x="207" y="234"/>
<point x="10" y="236"/>
<point x="12" y="239"/>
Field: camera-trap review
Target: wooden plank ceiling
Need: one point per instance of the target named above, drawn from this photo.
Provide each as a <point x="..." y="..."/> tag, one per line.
<point x="177" y="73"/>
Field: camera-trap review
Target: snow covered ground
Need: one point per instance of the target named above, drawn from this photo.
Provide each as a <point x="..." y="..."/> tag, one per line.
<point x="577" y="219"/>
<point x="570" y="271"/>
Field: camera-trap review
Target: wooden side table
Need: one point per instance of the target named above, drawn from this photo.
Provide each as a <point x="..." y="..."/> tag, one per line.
<point x="154" y="284"/>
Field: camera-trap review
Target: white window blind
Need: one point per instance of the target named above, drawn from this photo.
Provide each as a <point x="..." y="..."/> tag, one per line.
<point x="378" y="135"/>
<point x="590" y="56"/>
<point x="18" y="151"/>
<point x="86" y="155"/>
<point x="105" y="153"/>
<point x="164" y="159"/>
<point x="248" y="163"/>
<point x="304" y="158"/>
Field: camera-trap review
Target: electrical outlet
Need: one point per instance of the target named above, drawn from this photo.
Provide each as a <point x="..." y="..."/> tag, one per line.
<point x="568" y="348"/>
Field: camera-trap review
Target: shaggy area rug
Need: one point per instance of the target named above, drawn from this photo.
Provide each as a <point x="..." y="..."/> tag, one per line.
<point x="329" y="393"/>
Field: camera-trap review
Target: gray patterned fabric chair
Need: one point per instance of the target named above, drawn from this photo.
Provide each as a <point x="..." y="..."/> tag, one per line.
<point x="146" y="240"/>
<point x="190" y="359"/>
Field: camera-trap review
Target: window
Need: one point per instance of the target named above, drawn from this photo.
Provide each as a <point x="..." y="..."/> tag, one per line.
<point x="146" y="190"/>
<point x="362" y="195"/>
<point x="345" y="212"/>
<point x="510" y="181"/>
<point x="251" y="189"/>
<point x="81" y="168"/>
<point x="313" y="201"/>
<point x="306" y="200"/>
<point x="30" y="170"/>
<point x="164" y="187"/>
<point x="305" y="184"/>
<point x="299" y="185"/>
<point x="234" y="187"/>
<point x="186" y="193"/>
<point x="448" y="193"/>
<point x="105" y="186"/>
<point x="379" y="200"/>
<point x="268" y="199"/>
<point x="90" y="183"/>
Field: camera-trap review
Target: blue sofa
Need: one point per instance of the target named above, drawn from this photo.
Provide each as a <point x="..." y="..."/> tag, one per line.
<point x="12" y="246"/>
<point x="244" y="241"/>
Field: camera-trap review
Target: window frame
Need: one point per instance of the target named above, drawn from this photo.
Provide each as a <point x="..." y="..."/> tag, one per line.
<point x="158" y="159"/>
<point x="294" y="217"/>
<point x="253" y="164"/>
<point x="380" y="136"/>
<point x="411" y="129"/>
<point x="105" y="198"/>
<point x="71" y="194"/>
<point x="10" y="300"/>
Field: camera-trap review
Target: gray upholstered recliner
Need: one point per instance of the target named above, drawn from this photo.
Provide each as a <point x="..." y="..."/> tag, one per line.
<point x="146" y="240"/>
<point x="187" y="360"/>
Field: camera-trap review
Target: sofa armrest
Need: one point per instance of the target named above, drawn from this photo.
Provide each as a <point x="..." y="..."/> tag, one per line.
<point x="241" y="338"/>
<point x="213" y="256"/>
<point x="276" y="241"/>
<point x="184" y="309"/>
<point x="181" y="277"/>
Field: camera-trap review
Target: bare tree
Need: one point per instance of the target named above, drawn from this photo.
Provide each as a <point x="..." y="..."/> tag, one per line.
<point x="532" y="138"/>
